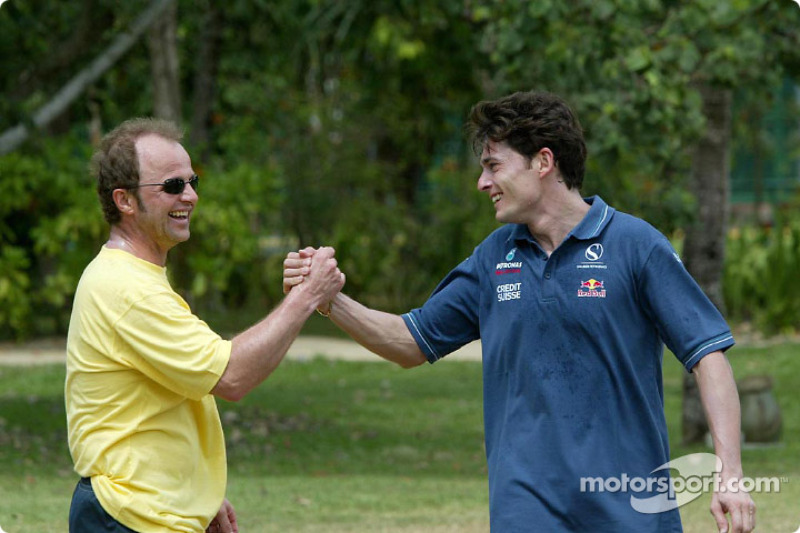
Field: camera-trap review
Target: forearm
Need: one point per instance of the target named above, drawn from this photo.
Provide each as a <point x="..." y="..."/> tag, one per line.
<point x="257" y="351"/>
<point x="384" y="334"/>
<point x="720" y="400"/>
<point x="721" y="404"/>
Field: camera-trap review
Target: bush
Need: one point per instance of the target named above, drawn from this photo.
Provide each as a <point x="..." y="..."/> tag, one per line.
<point x="394" y="255"/>
<point x="761" y="273"/>
<point x="50" y="226"/>
<point x="394" y="249"/>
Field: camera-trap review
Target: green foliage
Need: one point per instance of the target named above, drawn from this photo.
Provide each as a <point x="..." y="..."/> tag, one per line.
<point x="339" y="123"/>
<point x="15" y="196"/>
<point x="630" y="67"/>
<point x="49" y="229"/>
<point x="231" y="260"/>
<point x="350" y="120"/>
<point x="398" y="256"/>
<point x="760" y="277"/>
<point x="15" y="306"/>
<point x="44" y="44"/>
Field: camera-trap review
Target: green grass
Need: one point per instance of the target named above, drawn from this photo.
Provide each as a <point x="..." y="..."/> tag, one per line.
<point x="776" y="511"/>
<point x="337" y="446"/>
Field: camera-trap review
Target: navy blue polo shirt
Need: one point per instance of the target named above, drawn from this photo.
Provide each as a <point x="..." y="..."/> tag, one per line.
<point x="572" y="354"/>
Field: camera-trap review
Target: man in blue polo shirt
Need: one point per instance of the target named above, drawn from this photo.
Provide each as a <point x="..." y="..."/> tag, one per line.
<point x="573" y="302"/>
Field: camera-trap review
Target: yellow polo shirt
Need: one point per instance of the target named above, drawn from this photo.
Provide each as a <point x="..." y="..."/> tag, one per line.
<point x="140" y="418"/>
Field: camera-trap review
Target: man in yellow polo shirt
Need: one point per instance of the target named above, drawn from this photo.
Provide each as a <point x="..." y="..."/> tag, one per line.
<point x="142" y="370"/>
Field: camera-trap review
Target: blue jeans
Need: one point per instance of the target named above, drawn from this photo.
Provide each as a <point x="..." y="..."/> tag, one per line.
<point x="86" y="515"/>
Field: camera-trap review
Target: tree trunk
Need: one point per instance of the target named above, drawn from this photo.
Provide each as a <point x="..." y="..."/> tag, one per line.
<point x="704" y="248"/>
<point x="205" y="80"/>
<point x="162" y="40"/>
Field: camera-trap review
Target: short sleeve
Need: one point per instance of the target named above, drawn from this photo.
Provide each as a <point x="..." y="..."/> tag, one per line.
<point x="688" y="322"/>
<point x="449" y="319"/>
<point x="161" y="338"/>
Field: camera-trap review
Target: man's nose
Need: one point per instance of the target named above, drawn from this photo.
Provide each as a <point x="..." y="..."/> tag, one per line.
<point x="189" y="194"/>
<point x="484" y="182"/>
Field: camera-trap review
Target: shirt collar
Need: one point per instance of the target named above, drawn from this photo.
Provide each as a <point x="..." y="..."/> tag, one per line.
<point x="520" y="232"/>
<point x="596" y="219"/>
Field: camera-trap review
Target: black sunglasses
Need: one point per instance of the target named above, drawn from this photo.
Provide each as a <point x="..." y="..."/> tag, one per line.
<point x="172" y="185"/>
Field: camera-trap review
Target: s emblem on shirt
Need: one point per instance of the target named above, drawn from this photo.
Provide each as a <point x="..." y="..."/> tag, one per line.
<point x="594" y="252"/>
<point x="592" y="256"/>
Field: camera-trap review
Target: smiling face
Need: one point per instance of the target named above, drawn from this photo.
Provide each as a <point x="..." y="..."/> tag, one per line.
<point x="162" y="219"/>
<point x="511" y="181"/>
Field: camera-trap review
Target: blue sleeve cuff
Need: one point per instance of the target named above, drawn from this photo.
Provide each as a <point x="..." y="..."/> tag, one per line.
<point x="719" y="343"/>
<point x="422" y="342"/>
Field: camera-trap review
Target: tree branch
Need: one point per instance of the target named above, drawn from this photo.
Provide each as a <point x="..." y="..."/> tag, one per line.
<point x="13" y="137"/>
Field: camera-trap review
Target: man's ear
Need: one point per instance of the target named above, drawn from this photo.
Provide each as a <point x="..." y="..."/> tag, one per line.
<point x="124" y="200"/>
<point x="547" y="161"/>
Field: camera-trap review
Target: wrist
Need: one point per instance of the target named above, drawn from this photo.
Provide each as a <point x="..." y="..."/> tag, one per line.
<point x="728" y="475"/>
<point x="325" y="310"/>
<point x="303" y="296"/>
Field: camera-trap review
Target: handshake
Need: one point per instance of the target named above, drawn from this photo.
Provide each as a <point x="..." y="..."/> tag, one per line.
<point x="315" y="271"/>
<point x="313" y="275"/>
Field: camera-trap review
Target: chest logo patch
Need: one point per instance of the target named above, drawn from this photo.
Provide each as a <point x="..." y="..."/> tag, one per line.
<point x="509" y="291"/>
<point x="592" y="289"/>
<point x="509" y="266"/>
<point x="594" y="252"/>
<point x="592" y="256"/>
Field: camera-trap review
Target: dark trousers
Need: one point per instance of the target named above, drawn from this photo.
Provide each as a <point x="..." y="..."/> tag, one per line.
<point x="86" y="515"/>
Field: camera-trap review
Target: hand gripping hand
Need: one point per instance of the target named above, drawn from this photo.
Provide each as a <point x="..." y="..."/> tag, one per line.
<point x="323" y="279"/>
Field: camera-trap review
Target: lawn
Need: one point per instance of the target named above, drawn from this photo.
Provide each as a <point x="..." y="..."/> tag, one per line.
<point x="341" y="446"/>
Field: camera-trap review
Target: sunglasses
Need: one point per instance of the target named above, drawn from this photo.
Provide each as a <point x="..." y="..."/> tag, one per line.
<point x="172" y="185"/>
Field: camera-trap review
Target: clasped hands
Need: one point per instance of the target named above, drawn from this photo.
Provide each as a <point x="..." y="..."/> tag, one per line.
<point x="317" y="269"/>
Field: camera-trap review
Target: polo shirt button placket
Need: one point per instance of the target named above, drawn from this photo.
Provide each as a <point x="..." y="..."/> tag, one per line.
<point x="548" y="288"/>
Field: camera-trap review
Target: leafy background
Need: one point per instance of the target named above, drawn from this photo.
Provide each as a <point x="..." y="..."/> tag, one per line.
<point x="323" y="122"/>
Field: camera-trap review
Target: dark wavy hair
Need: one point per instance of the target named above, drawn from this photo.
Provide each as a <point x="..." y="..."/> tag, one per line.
<point x="528" y="122"/>
<point x="115" y="164"/>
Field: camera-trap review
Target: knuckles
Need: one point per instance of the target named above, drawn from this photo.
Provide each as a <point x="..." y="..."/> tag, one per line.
<point x="315" y="264"/>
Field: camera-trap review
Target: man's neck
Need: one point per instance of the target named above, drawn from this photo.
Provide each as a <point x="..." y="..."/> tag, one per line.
<point x="560" y="215"/>
<point x="122" y="239"/>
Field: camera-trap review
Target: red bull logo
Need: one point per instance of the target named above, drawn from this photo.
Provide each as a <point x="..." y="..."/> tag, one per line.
<point x="592" y="288"/>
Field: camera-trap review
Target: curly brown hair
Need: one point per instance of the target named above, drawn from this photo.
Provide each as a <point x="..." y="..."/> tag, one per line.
<point x="528" y="122"/>
<point x="115" y="165"/>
